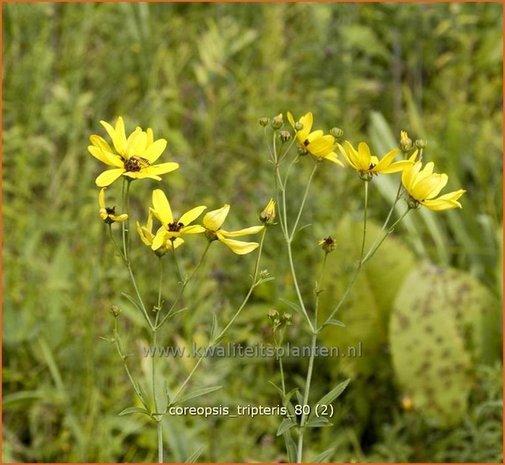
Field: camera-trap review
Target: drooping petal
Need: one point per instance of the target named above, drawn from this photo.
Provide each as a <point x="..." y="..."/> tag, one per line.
<point x="108" y="177"/>
<point x="446" y="201"/>
<point x="162" y="208"/>
<point x="154" y="150"/>
<point x="101" y="198"/>
<point x="241" y="232"/>
<point x="214" y="219"/>
<point x="119" y="218"/>
<point x="192" y="215"/>
<point x="238" y="247"/>
<point x="333" y="157"/>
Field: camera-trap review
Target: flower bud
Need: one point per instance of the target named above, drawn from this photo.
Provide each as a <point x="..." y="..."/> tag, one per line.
<point x="405" y="141"/>
<point x="115" y="310"/>
<point x="277" y="121"/>
<point x="264" y="122"/>
<point x="337" y="133"/>
<point x="328" y="244"/>
<point x="286" y="318"/>
<point x="298" y="126"/>
<point x="420" y="143"/>
<point x="264" y="274"/>
<point x="284" y="136"/>
<point x="267" y="216"/>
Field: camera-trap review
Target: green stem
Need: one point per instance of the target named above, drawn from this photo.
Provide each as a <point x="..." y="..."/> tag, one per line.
<point x="185" y="282"/>
<point x="213" y="342"/>
<point x="160" y="440"/>
<point x="117" y="343"/>
<point x="318" y="290"/>
<point x="372" y="250"/>
<point x="308" y="382"/>
<point x="365" y="215"/>
<point x="304" y="199"/>
<point x="367" y="257"/>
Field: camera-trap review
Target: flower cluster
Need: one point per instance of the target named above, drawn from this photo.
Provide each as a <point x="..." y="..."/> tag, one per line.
<point x="134" y="157"/>
<point x="421" y="185"/>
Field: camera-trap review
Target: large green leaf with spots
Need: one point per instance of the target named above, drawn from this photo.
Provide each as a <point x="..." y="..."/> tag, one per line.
<point x="443" y="321"/>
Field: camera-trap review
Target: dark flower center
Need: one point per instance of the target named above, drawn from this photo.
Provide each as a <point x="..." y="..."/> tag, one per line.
<point x="135" y="164"/>
<point x="175" y="226"/>
<point x="110" y="210"/>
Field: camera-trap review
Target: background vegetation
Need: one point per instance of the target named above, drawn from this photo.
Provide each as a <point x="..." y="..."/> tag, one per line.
<point x="201" y="75"/>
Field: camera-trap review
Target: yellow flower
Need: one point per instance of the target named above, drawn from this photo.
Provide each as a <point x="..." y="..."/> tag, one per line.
<point x="132" y="157"/>
<point x="316" y="143"/>
<point x="423" y="186"/>
<point x="363" y="161"/>
<point x="267" y="216"/>
<point x="108" y="214"/>
<point x="147" y="236"/>
<point x="171" y="229"/>
<point x="213" y="221"/>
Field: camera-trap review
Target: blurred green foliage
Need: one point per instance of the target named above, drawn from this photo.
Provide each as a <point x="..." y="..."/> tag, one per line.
<point x="201" y="75"/>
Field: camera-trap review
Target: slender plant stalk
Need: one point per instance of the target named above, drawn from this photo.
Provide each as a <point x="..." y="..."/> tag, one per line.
<point x="308" y="382"/>
<point x="255" y="283"/>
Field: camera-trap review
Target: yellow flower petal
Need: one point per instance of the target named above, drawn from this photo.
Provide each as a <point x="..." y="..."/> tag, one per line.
<point x="101" y="198"/>
<point x="332" y="156"/>
<point x="162" y="168"/>
<point x="193" y="229"/>
<point x="154" y="150"/>
<point x="238" y="247"/>
<point x="192" y="215"/>
<point x="387" y="160"/>
<point x="160" y="238"/>
<point x="241" y="232"/>
<point x="214" y="219"/>
<point x="105" y="157"/>
<point x="446" y="201"/>
<point x="162" y="208"/>
<point x="108" y="177"/>
<point x="100" y="142"/>
<point x="117" y="135"/>
<point x="130" y="142"/>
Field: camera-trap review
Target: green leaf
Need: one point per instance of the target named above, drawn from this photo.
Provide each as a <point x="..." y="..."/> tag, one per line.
<point x="285" y="425"/>
<point x="291" y="447"/>
<point x="130" y="410"/>
<point x="324" y="456"/>
<point x="334" y="393"/>
<point x="194" y="456"/>
<point x="318" y="422"/>
<point x="334" y="322"/>
<point x="444" y="322"/>
<point x="196" y="393"/>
